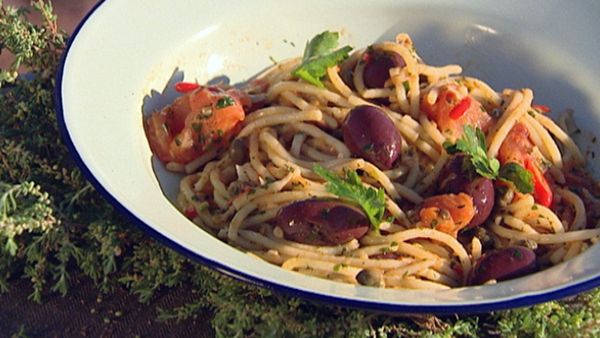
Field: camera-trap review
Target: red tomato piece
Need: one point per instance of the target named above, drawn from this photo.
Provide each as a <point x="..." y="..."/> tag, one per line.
<point x="452" y="110"/>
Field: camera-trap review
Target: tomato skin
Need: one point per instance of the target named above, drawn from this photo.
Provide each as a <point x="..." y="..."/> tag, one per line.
<point x="207" y="117"/>
<point x="453" y="109"/>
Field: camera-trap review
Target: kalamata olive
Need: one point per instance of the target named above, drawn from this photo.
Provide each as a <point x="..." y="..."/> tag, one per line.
<point x="238" y="152"/>
<point x="369" y="277"/>
<point x="453" y="176"/>
<point x="456" y="180"/>
<point x="347" y="72"/>
<point x="377" y="67"/>
<point x="315" y="221"/>
<point x="482" y="191"/>
<point x="503" y="264"/>
<point x="369" y="133"/>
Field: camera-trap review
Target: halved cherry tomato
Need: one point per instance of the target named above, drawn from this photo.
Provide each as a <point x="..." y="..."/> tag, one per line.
<point x="195" y="122"/>
<point x="448" y="213"/>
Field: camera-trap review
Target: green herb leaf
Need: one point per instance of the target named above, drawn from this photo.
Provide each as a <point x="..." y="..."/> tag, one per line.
<point x="318" y="56"/>
<point x="472" y="143"/>
<point x="320" y="45"/>
<point x="224" y="102"/>
<point x="350" y="188"/>
<point x="517" y="175"/>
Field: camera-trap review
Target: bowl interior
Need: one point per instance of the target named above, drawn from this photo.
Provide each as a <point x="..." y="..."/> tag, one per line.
<point x="123" y="60"/>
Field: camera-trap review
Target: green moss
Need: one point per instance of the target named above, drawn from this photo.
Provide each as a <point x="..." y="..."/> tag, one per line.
<point x="54" y="227"/>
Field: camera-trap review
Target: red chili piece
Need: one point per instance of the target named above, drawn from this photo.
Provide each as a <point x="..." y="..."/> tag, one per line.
<point x="460" y="109"/>
<point x="541" y="108"/>
<point x="190" y="213"/>
<point x="366" y="57"/>
<point x="541" y="189"/>
<point x="186" y="87"/>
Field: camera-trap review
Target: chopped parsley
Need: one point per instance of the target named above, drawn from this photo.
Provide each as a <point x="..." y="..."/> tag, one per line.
<point x="517" y="254"/>
<point x="385" y="250"/>
<point x="350" y="188"/>
<point x="225" y="102"/>
<point x="319" y="55"/>
<point x="339" y="266"/>
<point x="406" y="86"/>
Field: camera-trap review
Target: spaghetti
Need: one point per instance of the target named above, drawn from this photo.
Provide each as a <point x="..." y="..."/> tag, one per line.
<point x="244" y="173"/>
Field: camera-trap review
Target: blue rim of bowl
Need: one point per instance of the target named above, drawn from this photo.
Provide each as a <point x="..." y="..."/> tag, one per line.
<point x="519" y="301"/>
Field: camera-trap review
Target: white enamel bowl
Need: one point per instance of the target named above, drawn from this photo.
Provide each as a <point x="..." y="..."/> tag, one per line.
<point x="127" y="52"/>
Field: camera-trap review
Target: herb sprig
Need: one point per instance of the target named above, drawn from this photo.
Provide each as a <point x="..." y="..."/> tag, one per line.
<point x="350" y="187"/>
<point x="472" y="143"/>
<point x="319" y="55"/>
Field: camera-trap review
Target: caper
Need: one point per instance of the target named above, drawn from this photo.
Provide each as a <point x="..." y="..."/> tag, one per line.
<point x="370" y="277"/>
